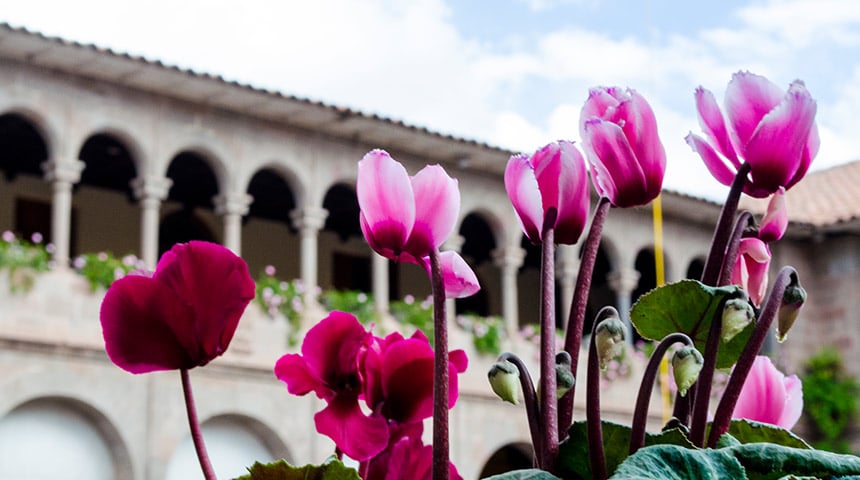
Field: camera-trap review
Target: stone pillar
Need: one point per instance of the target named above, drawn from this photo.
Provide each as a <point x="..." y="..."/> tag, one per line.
<point x="623" y="282"/>
<point x="454" y="243"/>
<point x="62" y="176"/>
<point x="379" y="271"/>
<point x="150" y="191"/>
<point x="309" y="221"/>
<point x="232" y="207"/>
<point x="566" y="271"/>
<point x="509" y="260"/>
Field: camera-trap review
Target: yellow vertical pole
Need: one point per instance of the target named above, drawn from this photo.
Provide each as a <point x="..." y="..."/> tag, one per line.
<point x="657" y="213"/>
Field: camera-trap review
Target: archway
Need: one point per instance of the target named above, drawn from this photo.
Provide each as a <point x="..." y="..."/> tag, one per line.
<point x="268" y="236"/>
<point x="601" y="294"/>
<point x="478" y="245"/>
<point x="188" y="212"/>
<point x="513" y="456"/>
<point x="344" y="255"/>
<point x="25" y="198"/>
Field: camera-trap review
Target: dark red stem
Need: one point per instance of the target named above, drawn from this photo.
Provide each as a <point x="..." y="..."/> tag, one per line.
<point x="529" y="397"/>
<point x="714" y="264"/>
<point x="744" y="220"/>
<point x="548" y="401"/>
<point x="441" y="469"/>
<point x="640" y="413"/>
<point x="723" y="416"/>
<point x="573" y="335"/>
<point x="594" y="429"/>
<point x="194" y="425"/>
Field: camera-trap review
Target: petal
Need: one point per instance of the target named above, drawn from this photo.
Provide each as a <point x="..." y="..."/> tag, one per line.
<point x="292" y="370"/>
<point x="216" y="284"/>
<point x="793" y="403"/>
<point x="601" y="103"/>
<point x="712" y="122"/>
<point x="756" y="260"/>
<point x="777" y="146"/>
<point x="385" y="198"/>
<point x="138" y="338"/>
<point x="640" y="127"/>
<point x="437" y="205"/>
<point x="459" y="278"/>
<point x="548" y="164"/>
<point x="749" y="98"/>
<point x="808" y="156"/>
<point x="716" y="165"/>
<point x="762" y="397"/>
<point x="775" y="220"/>
<point x="359" y="436"/>
<point x="331" y="348"/>
<point x="522" y="187"/>
<point x="407" y="381"/>
<point x="574" y="195"/>
<point x="617" y="171"/>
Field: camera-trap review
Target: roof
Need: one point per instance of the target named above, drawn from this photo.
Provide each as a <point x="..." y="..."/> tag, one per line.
<point x="825" y="198"/>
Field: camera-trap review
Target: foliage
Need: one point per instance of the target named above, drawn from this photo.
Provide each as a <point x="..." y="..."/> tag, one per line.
<point x="276" y="296"/>
<point x="834" y="396"/>
<point x="415" y="314"/>
<point x="355" y="302"/>
<point x="22" y="260"/>
<point x="331" y="469"/>
<point x="103" y="268"/>
<point x="486" y="332"/>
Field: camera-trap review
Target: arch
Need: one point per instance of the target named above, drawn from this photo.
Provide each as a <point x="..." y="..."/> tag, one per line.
<point x="195" y="181"/>
<point x="182" y="226"/>
<point x="40" y="123"/>
<point x="293" y="180"/>
<point x="492" y="222"/>
<point x="80" y="431"/>
<point x="23" y="147"/>
<point x="601" y="294"/>
<point x="109" y="162"/>
<point x="125" y="139"/>
<point x="268" y="226"/>
<point x="209" y="156"/>
<point x="695" y="268"/>
<point x="272" y="194"/>
<point x="234" y="442"/>
<point x="342" y="205"/>
<point x="513" y="456"/>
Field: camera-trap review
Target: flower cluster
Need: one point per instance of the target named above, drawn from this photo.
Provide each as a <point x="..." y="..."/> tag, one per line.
<point x="347" y="366"/>
<point x="103" y="268"/>
<point x="22" y="259"/>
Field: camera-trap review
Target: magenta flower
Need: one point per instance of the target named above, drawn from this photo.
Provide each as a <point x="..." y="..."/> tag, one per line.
<point x="406" y="458"/>
<point x="399" y="377"/>
<point x="771" y="130"/>
<point x="775" y="219"/>
<point x="405" y="218"/>
<point x="750" y="271"/>
<point x="182" y="316"/>
<point x="329" y="367"/>
<point x="619" y="134"/>
<point x="768" y="396"/>
<point x="552" y="179"/>
<point x="460" y="280"/>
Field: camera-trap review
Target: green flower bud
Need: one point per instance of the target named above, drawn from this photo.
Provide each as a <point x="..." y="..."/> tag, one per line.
<point x="564" y="379"/>
<point x="686" y="365"/>
<point x="792" y="300"/>
<point x="504" y="378"/>
<point x="609" y="340"/>
<point x="737" y="314"/>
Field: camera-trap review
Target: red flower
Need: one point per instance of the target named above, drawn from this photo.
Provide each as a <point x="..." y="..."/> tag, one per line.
<point x="182" y="316"/>
<point x="406" y="458"/>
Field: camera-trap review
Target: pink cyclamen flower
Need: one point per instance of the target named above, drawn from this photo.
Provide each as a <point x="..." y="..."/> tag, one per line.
<point x="771" y="130"/>
<point x="775" y="220"/>
<point x="329" y="367"/>
<point x="460" y="280"/>
<point x="398" y="374"/>
<point x="406" y="458"/>
<point x="750" y="271"/>
<point x="552" y="179"/>
<point x="182" y="316"/>
<point x="768" y="396"/>
<point x="402" y="217"/>
<point x="619" y="133"/>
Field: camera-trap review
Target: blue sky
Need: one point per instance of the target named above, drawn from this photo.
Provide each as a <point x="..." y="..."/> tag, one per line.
<point x="513" y="73"/>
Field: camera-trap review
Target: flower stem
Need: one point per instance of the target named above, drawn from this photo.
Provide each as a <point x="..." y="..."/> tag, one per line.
<point x="548" y="401"/>
<point x="441" y="469"/>
<point x="573" y="335"/>
<point x="744" y="220"/>
<point x="529" y="397"/>
<point x="640" y="413"/>
<point x="723" y="416"/>
<point x="594" y="429"/>
<point x="194" y="425"/>
<point x="713" y="266"/>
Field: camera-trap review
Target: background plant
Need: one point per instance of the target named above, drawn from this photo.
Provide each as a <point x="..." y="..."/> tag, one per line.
<point x="355" y="302"/>
<point x="103" y="268"/>
<point x="276" y="296"/>
<point x="486" y="332"/>
<point x="22" y="259"/>
<point x="834" y="395"/>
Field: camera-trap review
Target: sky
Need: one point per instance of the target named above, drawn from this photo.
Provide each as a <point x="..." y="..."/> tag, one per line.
<point x="512" y="73"/>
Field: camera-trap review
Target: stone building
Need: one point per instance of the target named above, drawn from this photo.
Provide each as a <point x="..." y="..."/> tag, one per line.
<point x="102" y="151"/>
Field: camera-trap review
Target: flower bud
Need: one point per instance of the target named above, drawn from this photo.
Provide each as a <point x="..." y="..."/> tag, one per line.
<point x="792" y="300"/>
<point x="737" y="314"/>
<point x="504" y="377"/>
<point x="564" y="379"/>
<point x="609" y="340"/>
<point x="686" y="365"/>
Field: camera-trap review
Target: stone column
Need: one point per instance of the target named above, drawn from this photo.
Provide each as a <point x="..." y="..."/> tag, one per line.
<point x="150" y="191"/>
<point x="623" y="282"/>
<point x="62" y="176"/>
<point x="232" y="207"/>
<point x="454" y="243"/>
<point x="566" y="271"/>
<point x="309" y="221"/>
<point x="379" y="271"/>
<point x="509" y="260"/>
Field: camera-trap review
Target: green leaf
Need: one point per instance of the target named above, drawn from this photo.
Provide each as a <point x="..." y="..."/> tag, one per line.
<point x="687" y="306"/>
<point x="331" y="469"/>
<point x="530" y="474"/>
<point x="573" y="451"/>
<point x="671" y="462"/>
<point x="747" y="431"/>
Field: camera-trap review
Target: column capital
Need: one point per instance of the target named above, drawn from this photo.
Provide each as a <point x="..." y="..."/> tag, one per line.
<point x="232" y="203"/>
<point x="454" y="243"/>
<point x="511" y="257"/>
<point x="567" y="262"/>
<point x="309" y="218"/>
<point x="623" y="281"/>
<point x="151" y="187"/>
<point x="65" y="172"/>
